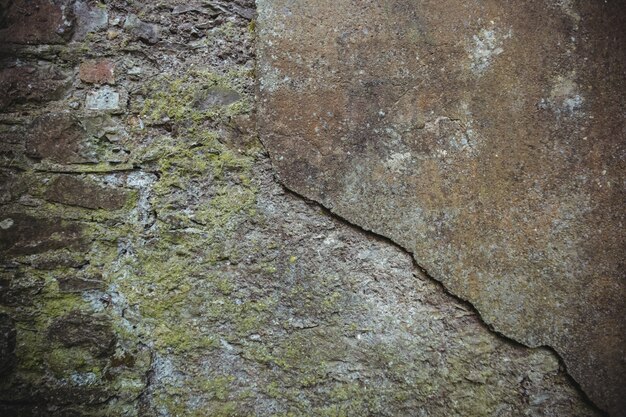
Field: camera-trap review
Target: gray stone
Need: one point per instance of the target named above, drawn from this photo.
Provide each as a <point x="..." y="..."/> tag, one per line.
<point x="146" y="32"/>
<point x="104" y="99"/>
<point x="89" y="19"/>
<point x="215" y="96"/>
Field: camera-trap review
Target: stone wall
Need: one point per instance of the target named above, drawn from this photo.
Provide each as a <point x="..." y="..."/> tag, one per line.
<point x="152" y="265"/>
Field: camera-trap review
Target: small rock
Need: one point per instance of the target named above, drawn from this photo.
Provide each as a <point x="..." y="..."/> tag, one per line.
<point x="215" y="96"/>
<point x="97" y="71"/>
<point x="146" y="32"/>
<point x="135" y="71"/>
<point x="89" y="19"/>
<point x="103" y="99"/>
<point x="6" y="223"/>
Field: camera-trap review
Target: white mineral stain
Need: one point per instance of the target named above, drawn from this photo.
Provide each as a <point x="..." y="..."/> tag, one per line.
<point x="564" y="96"/>
<point x="6" y="223"/>
<point x="487" y="46"/>
<point x="397" y="162"/>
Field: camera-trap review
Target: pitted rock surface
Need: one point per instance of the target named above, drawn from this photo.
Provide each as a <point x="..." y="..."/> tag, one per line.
<point x="487" y="138"/>
<point x="151" y="264"/>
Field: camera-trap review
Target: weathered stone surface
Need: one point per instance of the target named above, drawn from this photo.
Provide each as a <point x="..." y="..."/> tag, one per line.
<point x="78" y="329"/>
<point x="12" y="186"/>
<point x="104" y="99"/>
<point x="71" y="190"/>
<point x="215" y="96"/>
<point x="62" y="137"/>
<point x="18" y="289"/>
<point x="70" y="283"/>
<point x="36" y="21"/>
<point x="58" y="137"/>
<point x="22" y="234"/>
<point x="224" y="294"/>
<point x="88" y="19"/>
<point x="7" y="343"/>
<point x="487" y="138"/>
<point x="29" y="84"/>
<point x="146" y="32"/>
<point x="97" y="71"/>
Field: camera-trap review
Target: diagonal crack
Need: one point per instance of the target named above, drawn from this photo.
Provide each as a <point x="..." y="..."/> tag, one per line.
<point x="465" y="303"/>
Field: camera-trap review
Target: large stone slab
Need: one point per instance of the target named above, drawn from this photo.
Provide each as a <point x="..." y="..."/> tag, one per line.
<point x="36" y="21"/>
<point x="486" y="137"/>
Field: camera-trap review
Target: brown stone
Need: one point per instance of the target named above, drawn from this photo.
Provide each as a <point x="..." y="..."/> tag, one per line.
<point x="85" y="330"/>
<point x="57" y="137"/>
<point x="29" y="84"/>
<point x="19" y="289"/>
<point x="97" y="72"/>
<point x="74" y="191"/>
<point x="21" y="234"/>
<point x="37" y="21"/>
<point x="486" y="138"/>
<point x="72" y="283"/>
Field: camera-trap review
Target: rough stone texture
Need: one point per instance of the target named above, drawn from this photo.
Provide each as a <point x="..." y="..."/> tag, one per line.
<point x="24" y="234"/>
<point x="488" y="138"/>
<point x="73" y="191"/>
<point x="7" y="343"/>
<point x="104" y="99"/>
<point x="97" y="71"/>
<point x="56" y="136"/>
<point x="79" y="329"/>
<point x="24" y="83"/>
<point x="196" y="284"/>
<point x="89" y="19"/>
<point x="143" y="31"/>
<point x="36" y="21"/>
